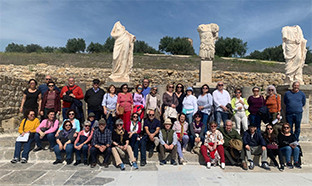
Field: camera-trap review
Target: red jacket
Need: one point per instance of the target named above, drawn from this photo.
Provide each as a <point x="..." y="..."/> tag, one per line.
<point x="77" y="91"/>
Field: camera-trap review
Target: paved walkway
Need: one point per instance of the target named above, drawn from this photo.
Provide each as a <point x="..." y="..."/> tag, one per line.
<point x="44" y="173"/>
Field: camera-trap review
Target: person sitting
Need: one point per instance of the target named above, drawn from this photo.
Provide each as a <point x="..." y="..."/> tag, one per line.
<point x="46" y="131"/>
<point x="255" y="145"/>
<point x="181" y="128"/>
<point x="213" y="143"/>
<point x="120" y="144"/>
<point x="27" y="127"/>
<point x="101" y="144"/>
<point x="75" y="122"/>
<point x="230" y="134"/>
<point x="82" y="143"/>
<point x="271" y="143"/>
<point x="150" y="137"/>
<point x="288" y="145"/>
<point x="168" y="143"/>
<point x="93" y="121"/>
<point x="135" y="134"/>
<point x="197" y="133"/>
<point x="64" y="142"/>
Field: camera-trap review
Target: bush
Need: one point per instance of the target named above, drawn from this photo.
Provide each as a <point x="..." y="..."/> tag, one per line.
<point x="14" y="48"/>
<point x="230" y="47"/>
<point x="75" y="45"/>
<point x="176" y="46"/>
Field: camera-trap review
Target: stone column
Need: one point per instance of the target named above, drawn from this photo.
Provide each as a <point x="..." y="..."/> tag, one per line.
<point x="205" y="72"/>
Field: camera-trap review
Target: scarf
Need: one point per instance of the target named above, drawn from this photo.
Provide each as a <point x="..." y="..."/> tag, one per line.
<point x="134" y="125"/>
<point x="66" y="133"/>
<point x="120" y="133"/>
<point x="182" y="130"/>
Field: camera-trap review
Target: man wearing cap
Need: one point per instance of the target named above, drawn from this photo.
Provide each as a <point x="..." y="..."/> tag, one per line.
<point x="121" y="145"/>
<point x="230" y="134"/>
<point x="254" y="144"/>
<point x="221" y="98"/>
<point x="168" y="143"/>
<point x="101" y="144"/>
<point x="150" y="137"/>
<point x="93" y="98"/>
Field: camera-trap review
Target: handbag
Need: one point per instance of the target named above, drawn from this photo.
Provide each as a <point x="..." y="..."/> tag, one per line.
<point x="236" y="144"/>
<point x="121" y="110"/>
<point x="68" y="98"/>
<point x="272" y="146"/>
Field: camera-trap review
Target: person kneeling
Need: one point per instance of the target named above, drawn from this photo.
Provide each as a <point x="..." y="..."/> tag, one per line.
<point x="101" y="144"/>
<point x="64" y="142"/>
<point x="255" y="145"/>
<point x="168" y="143"/>
<point x="121" y="144"/>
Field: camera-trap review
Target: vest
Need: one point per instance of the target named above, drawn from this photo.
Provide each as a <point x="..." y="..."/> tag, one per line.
<point x="167" y="136"/>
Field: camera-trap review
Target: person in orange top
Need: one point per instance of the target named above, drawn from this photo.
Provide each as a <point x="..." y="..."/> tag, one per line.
<point x="28" y="125"/>
<point x="273" y="102"/>
<point x="71" y="90"/>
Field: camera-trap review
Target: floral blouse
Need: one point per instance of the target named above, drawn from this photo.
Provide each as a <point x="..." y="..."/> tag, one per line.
<point x="215" y="137"/>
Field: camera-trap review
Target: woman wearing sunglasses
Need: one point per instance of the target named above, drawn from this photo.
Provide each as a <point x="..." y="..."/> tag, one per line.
<point x="82" y="143"/>
<point x="170" y="103"/>
<point x="288" y="146"/>
<point x="273" y="102"/>
<point x="124" y="106"/>
<point x="51" y="100"/>
<point x="255" y="102"/>
<point x="64" y="143"/>
<point x="75" y="122"/>
<point x="271" y="143"/>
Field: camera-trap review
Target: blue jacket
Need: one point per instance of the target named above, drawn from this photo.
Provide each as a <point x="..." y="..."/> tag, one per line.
<point x="257" y="139"/>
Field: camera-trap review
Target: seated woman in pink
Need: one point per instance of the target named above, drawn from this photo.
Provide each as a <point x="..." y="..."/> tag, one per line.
<point x="213" y="143"/>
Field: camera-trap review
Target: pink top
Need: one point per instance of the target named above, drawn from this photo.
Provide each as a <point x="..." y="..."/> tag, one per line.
<point x="125" y="100"/>
<point x="83" y="133"/>
<point x="50" y="99"/>
<point x="177" y="127"/>
<point x="47" y="124"/>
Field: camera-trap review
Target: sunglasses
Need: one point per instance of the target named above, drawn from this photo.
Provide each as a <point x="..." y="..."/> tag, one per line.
<point x="50" y="85"/>
<point x="118" y="125"/>
<point x="271" y="89"/>
<point x="87" y="125"/>
<point x="197" y="117"/>
<point x="135" y="116"/>
<point x="71" y="114"/>
<point x="220" y="85"/>
<point x="31" y="114"/>
<point x="213" y="126"/>
<point x="171" y="87"/>
<point x="238" y="92"/>
<point x="155" y="89"/>
<point x="140" y="88"/>
<point x="151" y="114"/>
<point x="205" y="88"/>
<point x="270" y="128"/>
<point x="48" y="79"/>
<point x="286" y="127"/>
<point x="67" y="125"/>
<point x="256" y="91"/>
<point x="179" y="87"/>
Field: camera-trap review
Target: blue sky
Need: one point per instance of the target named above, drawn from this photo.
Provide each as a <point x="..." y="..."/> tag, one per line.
<point x="51" y="23"/>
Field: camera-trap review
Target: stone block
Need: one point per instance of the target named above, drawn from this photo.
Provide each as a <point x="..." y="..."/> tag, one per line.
<point x="10" y="124"/>
<point x="205" y="71"/>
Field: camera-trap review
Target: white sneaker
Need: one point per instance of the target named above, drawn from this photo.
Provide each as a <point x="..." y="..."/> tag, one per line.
<point x="222" y="165"/>
<point x="208" y="165"/>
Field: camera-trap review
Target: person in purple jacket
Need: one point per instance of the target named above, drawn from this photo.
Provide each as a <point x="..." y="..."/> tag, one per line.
<point x="255" y="102"/>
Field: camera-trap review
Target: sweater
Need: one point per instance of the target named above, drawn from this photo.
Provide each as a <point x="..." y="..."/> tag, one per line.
<point x="30" y="126"/>
<point x="255" y="104"/>
<point x="294" y="102"/>
<point x="94" y="99"/>
<point x="76" y="90"/>
<point x="46" y="124"/>
<point x="190" y="104"/>
<point x="206" y="101"/>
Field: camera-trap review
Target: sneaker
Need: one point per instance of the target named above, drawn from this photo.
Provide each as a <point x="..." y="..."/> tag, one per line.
<point x="289" y="165"/>
<point x="93" y="165"/>
<point x="208" y="165"/>
<point x="135" y="165"/>
<point x="105" y="165"/>
<point x="162" y="162"/>
<point x="23" y="160"/>
<point x="150" y="153"/>
<point x="143" y="163"/>
<point x="244" y="166"/>
<point x="251" y="165"/>
<point x="222" y="165"/>
<point x="14" y="160"/>
<point x="297" y="165"/>
<point x="122" y="166"/>
<point x="173" y="162"/>
<point x="265" y="166"/>
<point x="57" y="161"/>
<point x="38" y="149"/>
<point x="68" y="161"/>
<point x="77" y="162"/>
<point x="281" y="168"/>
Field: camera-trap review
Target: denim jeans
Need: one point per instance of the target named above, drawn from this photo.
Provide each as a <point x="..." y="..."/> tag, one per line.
<point x="221" y="115"/>
<point x="84" y="150"/>
<point x="287" y="151"/>
<point x="18" y="148"/>
<point x="110" y="122"/>
<point x="134" y="143"/>
<point x="192" y="140"/>
<point x="64" y="110"/>
<point x="69" y="151"/>
<point x="255" y="119"/>
<point x="189" y="118"/>
<point x="182" y="144"/>
<point x="48" y="137"/>
<point x="204" y="119"/>
<point x="294" y="118"/>
<point x="144" y="142"/>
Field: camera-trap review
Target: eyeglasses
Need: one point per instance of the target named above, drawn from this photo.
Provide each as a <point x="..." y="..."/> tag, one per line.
<point x="87" y="125"/>
<point x="151" y="114"/>
<point x="155" y="89"/>
<point x="270" y="128"/>
<point x="140" y="88"/>
<point x="71" y="114"/>
<point x="213" y="126"/>
<point x="48" y="79"/>
<point x="118" y="125"/>
<point x="135" y="116"/>
<point x="67" y="125"/>
<point x="286" y="127"/>
<point x="220" y="85"/>
<point x="197" y="117"/>
<point x="50" y="85"/>
<point x="271" y="89"/>
<point x="205" y="88"/>
<point x="238" y="92"/>
<point x="171" y="87"/>
<point x="31" y="114"/>
<point x="125" y="88"/>
<point x="179" y="87"/>
<point x="255" y="90"/>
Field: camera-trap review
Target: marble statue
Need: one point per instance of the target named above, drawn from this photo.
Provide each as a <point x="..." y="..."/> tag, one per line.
<point x="208" y="34"/>
<point x="122" y="54"/>
<point x="294" y="49"/>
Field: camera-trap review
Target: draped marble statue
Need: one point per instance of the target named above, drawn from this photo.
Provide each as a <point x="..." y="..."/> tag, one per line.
<point x="122" y="54"/>
<point x="208" y="34"/>
<point x="294" y="49"/>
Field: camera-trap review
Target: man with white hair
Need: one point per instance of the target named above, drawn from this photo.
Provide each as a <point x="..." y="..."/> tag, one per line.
<point x="294" y="100"/>
<point x="221" y="98"/>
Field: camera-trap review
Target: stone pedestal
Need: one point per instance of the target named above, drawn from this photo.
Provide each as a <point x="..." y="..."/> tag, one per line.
<point x="205" y="73"/>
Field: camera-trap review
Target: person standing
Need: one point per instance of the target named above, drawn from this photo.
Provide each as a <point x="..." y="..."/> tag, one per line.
<point x="139" y="101"/>
<point x="125" y="105"/>
<point x="221" y="98"/>
<point x="205" y="104"/>
<point x="170" y="102"/>
<point x="273" y="102"/>
<point x="240" y="108"/>
<point x="68" y="93"/>
<point x="43" y="88"/>
<point x="294" y="100"/>
<point x="255" y="102"/>
<point x="146" y="88"/>
<point x="153" y="101"/>
<point x="31" y="98"/>
<point x="179" y="92"/>
<point x="50" y="101"/>
<point x="109" y="104"/>
<point x="93" y="98"/>
<point x="189" y="105"/>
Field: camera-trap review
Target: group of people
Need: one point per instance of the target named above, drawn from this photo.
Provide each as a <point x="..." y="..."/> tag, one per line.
<point x="126" y="123"/>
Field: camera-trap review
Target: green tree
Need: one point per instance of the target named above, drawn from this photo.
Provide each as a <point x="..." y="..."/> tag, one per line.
<point x="49" y="49"/>
<point x="142" y="47"/>
<point x="271" y="54"/>
<point x="308" y="56"/>
<point x="109" y="45"/>
<point x="14" y="48"/>
<point x="94" y="48"/>
<point x="75" y="45"/>
<point x="33" y="48"/>
<point x="230" y="47"/>
<point x="62" y="50"/>
<point x="176" y="46"/>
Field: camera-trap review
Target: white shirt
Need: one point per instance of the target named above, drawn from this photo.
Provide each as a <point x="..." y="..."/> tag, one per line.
<point x="190" y="103"/>
<point x="221" y="99"/>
